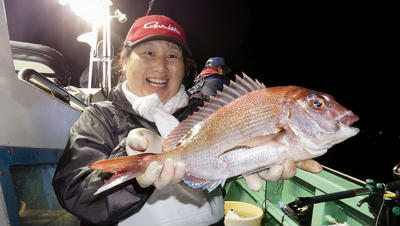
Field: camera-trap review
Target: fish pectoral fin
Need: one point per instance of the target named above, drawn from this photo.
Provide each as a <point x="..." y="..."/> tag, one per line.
<point x="197" y="182"/>
<point x="255" y="141"/>
<point x="254" y="171"/>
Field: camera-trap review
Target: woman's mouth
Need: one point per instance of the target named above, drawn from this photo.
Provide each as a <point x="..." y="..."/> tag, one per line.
<point x="156" y="82"/>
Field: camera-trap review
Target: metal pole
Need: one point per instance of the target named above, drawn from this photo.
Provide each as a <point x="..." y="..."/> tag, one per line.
<point x="104" y="45"/>
<point x="93" y="51"/>
<point x="108" y="46"/>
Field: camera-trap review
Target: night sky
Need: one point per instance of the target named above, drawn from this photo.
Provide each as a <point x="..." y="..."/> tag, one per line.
<point x="348" y="49"/>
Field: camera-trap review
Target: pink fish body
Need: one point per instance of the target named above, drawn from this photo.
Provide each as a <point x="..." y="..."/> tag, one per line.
<point x="245" y="128"/>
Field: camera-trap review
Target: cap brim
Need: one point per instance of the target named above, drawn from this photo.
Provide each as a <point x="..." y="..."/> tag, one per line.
<point x="162" y="37"/>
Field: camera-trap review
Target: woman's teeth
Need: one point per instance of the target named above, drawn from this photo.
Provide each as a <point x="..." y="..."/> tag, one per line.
<point x="156" y="82"/>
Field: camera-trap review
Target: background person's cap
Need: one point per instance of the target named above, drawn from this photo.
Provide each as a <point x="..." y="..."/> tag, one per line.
<point x="156" y="27"/>
<point x="217" y="61"/>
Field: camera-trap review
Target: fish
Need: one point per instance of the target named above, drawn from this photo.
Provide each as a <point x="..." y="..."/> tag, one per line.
<point x="245" y="128"/>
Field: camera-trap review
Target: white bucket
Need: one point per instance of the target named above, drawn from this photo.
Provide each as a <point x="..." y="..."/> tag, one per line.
<point x="242" y="214"/>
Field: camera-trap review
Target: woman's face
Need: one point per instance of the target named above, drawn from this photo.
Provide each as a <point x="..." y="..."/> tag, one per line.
<point x="155" y="67"/>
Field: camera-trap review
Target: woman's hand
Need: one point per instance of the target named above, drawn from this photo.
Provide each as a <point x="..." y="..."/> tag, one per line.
<point x="142" y="140"/>
<point x="170" y="172"/>
<point x="286" y="170"/>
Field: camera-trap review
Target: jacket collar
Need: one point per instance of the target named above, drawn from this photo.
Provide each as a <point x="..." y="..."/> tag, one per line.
<point x="117" y="97"/>
<point x="207" y="72"/>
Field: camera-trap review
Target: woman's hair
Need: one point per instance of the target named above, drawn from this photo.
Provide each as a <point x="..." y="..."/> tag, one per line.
<point x="119" y="74"/>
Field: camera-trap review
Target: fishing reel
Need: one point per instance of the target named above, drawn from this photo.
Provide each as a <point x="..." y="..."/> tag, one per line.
<point x="384" y="204"/>
<point x="383" y="201"/>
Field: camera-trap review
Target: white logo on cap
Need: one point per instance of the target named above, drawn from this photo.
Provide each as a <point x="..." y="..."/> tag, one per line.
<point x="155" y="25"/>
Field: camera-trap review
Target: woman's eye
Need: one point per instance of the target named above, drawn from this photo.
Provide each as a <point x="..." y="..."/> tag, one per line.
<point x="150" y="53"/>
<point x="172" y="56"/>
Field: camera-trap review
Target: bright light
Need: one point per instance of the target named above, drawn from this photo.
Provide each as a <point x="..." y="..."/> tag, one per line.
<point x="93" y="11"/>
<point x="63" y="2"/>
<point x="89" y="38"/>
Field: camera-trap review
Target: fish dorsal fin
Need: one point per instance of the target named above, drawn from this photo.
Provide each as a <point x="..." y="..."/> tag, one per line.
<point x="245" y="85"/>
<point x="254" y="83"/>
<point x="229" y="93"/>
<point x="236" y="89"/>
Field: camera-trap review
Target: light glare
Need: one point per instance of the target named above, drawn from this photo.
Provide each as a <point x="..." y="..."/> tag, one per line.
<point x="63" y="2"/>
<point x="93" y="11"/>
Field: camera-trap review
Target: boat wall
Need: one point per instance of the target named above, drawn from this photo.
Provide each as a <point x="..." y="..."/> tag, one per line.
<point x="34" y="131"/>
<point x="27" y="193"/>
<point x="304" y="184"/>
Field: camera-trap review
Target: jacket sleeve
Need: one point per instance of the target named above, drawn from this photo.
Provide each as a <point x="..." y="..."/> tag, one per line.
<point x="91" y="140"/>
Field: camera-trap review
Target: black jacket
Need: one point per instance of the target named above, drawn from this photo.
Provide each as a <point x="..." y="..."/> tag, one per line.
<point x="98" y="134"/>
<point x="209" y="84"/>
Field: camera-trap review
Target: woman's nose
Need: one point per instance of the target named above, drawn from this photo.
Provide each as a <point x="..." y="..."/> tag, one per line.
<point x="160" y="65"/>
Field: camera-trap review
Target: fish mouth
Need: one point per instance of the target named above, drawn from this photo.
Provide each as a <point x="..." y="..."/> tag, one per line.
<point x="348" y="119"/>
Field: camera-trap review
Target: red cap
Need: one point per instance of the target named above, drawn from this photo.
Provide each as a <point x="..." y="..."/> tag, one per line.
<point x="156" y="27"/>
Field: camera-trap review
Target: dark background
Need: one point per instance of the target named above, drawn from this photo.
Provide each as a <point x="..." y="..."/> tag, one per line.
<point x="348" y="49"/>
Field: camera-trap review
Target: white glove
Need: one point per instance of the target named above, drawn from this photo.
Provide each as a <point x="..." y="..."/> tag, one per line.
<point x="142" y="140"/>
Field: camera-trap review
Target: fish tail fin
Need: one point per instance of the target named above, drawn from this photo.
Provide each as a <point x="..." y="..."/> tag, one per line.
<point x="115" y="180"/>
<point x="131" y="163"/>
<point x="126" y="168"/>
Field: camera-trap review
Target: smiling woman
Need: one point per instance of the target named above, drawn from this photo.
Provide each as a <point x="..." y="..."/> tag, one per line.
<point x="155" y="60"/>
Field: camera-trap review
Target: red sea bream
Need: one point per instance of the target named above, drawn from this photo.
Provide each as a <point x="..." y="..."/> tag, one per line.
<point x="245" y="128"/>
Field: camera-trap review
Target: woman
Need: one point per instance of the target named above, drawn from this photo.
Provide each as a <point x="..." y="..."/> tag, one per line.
<point x="155" y="58"/>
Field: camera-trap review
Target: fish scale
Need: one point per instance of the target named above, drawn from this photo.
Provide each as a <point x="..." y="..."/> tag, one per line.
<point x="245" y="128"/>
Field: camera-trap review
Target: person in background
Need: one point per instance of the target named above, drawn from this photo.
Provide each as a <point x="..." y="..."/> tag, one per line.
<point x="151" y="101"/>
<point x="211" y="78"/>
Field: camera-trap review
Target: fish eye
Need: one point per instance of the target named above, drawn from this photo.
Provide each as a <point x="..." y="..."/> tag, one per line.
<point x="316" y="101"/>
<point x="318" y="104"/>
